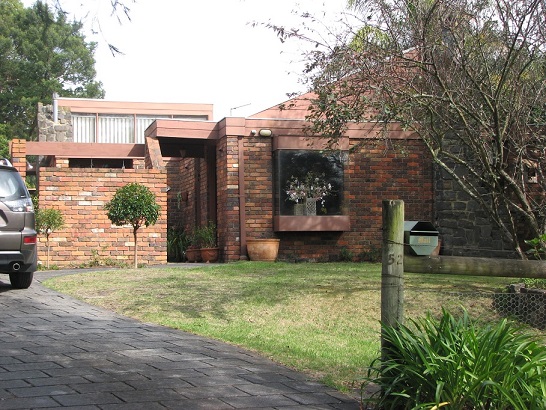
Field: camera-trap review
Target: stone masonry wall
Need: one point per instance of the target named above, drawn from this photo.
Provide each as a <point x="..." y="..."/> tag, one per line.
<point x="61" y="131"/>
<point x="466" y="228"/>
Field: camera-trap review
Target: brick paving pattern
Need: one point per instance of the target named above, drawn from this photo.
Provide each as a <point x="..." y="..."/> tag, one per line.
<point x="57" y="352"/>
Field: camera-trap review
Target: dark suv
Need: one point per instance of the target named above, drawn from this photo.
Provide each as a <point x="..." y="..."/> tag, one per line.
<point x="18" y="255"/>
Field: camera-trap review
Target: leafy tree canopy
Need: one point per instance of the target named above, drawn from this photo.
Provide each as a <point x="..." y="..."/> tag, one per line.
<point x="466" y="75"/>
<point x="48" y="221"/>
<point x="41" y="53"/>
<point x="133" y="204"/>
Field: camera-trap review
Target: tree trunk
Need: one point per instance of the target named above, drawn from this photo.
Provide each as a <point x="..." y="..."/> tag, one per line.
<point x="47" y="259"/>
<point x="135" y="262"/>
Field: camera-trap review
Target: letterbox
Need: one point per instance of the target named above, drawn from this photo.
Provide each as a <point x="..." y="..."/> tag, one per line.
<point x="420" y="237"/>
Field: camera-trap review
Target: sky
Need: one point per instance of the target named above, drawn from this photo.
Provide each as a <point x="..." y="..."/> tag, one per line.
<point x="200" y="51"/>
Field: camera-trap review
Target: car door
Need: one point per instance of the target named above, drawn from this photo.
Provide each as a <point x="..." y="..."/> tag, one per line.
<point x="14" y="204"/>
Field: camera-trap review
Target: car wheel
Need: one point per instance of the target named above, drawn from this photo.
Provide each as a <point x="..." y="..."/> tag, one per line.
<point x="21" y="280"/>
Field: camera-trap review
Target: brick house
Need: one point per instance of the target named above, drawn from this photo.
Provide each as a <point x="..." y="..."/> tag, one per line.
<point x="234" y="172"/>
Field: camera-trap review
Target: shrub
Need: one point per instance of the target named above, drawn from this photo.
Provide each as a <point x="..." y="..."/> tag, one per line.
<point x="48" y="221"/>
<point x="535" y="283"/>
<point x="371" y="255"/>
<point x="206" y="235"/>
<point x="345" y="255"/>
<point x="455" y="363"/>
<point x="177" y="242"/>
<point x="537" y="247"/>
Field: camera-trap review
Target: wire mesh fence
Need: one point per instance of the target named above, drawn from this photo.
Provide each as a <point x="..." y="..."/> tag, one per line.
<point x="526" y="306"/>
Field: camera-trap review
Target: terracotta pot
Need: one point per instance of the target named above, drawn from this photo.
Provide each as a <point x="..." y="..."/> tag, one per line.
<point x="193" y="255"/>
<point x="262" y="249"/>
<point x="209" y="254"/>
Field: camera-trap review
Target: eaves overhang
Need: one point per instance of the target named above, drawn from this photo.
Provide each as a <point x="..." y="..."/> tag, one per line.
<point x="197" y="130"/>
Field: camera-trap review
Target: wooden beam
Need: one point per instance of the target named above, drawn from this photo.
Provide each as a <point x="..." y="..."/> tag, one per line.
<point x="85" y="150"/>
<point x="93" y="106"/>
<point x="460" y="265"/>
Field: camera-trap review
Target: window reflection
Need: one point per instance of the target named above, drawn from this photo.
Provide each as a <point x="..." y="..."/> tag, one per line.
<point x="309" y="183"/>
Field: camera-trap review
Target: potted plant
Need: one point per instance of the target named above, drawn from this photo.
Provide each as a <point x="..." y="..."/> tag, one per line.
<point x="207" y="240"/>
<point x="193" y="253"/>
<point x="306" y="192"/>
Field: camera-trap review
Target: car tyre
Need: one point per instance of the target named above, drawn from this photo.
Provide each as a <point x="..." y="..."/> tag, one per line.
<point x="21" y="280"/>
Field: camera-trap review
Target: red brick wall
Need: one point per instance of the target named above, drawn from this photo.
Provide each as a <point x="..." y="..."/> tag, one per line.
<point x="201" y="192"/>
<point x="376" y="173"/>
<point x="372" y="174"/>
<point x="259" y="187"/>
<point x="18" y="151"/>
<point x="227" y="177"/>
<point x="88" y="234"/>
<point x="188" y="197"/>
<point x="177" y="196"/>
<point x="190" y="181"/>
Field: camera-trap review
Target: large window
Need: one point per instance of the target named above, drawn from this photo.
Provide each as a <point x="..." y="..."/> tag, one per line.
<point x="309" y="183"/>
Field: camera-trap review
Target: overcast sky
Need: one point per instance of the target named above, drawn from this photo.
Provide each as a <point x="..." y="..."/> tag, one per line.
<point x="201" y="51"/>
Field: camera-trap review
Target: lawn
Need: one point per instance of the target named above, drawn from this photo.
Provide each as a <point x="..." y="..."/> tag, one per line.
<point x="321" y="319"/>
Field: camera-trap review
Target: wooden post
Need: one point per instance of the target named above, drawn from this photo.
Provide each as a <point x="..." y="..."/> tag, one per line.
<point x="392" y="274"/>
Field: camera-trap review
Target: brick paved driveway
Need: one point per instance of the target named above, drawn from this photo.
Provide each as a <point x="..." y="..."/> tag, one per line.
<point x="57" y="352"/>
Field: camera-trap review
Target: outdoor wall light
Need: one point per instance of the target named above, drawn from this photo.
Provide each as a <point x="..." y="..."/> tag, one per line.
<point x="265" y="133"/>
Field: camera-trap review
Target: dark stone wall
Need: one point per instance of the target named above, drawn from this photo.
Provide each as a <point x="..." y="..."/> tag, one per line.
<point x="465" y="228"/>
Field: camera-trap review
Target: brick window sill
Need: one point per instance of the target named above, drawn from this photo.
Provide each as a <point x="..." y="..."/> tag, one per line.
<point x="321" y="223"/>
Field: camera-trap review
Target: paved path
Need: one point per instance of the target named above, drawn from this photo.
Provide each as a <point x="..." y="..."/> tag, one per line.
<point x="57" y="352"/>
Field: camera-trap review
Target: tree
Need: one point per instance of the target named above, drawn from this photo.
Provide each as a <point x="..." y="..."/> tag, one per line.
<point x="466" y="75"/>
<point x="120" y="10"/>
<point x="41" y="53"/>
<point x="48" y="221"/>
<point x="4" y="141"/>
<point x="133" y="204"/>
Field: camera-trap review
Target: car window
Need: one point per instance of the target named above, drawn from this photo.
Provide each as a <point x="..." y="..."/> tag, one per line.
<point x="11" y="185"/>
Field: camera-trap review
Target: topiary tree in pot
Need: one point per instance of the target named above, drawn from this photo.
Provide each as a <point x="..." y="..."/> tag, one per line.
<point x="133" y="204"/>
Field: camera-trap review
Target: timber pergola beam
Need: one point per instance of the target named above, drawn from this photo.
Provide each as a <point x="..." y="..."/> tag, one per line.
<point x="84" y="149"/>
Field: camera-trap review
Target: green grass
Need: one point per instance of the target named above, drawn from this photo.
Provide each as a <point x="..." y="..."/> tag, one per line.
<point x="321" y="319"/>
